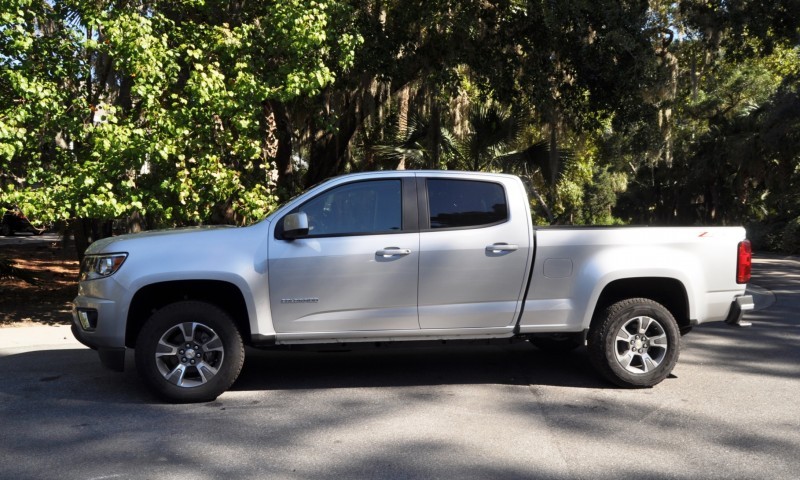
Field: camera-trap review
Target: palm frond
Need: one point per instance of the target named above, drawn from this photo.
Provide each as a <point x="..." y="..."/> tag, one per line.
<point x="494" y="129"/>
<point x="413" y="145"/>
<point x="535" y="157"/>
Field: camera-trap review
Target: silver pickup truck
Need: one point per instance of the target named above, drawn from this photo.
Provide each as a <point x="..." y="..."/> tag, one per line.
<point x="404" y="256"/>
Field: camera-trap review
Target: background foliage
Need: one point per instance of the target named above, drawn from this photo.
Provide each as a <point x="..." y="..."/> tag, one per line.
<point x="190" y="112"/>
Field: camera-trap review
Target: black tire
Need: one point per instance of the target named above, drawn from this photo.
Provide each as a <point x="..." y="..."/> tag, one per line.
<point x="634" y="343"/>
<point x="200" y="352"/>
<point x="558" y="343"/>
<point x="6" y="231"/>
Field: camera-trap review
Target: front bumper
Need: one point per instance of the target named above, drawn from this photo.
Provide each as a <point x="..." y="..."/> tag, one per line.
<point x="110" y="357"/>
<point x="739" y="306"/>
<point x="105" y="333"/>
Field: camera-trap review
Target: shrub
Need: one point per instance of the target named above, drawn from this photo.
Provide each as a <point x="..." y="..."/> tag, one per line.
<point x="791" y="236"/>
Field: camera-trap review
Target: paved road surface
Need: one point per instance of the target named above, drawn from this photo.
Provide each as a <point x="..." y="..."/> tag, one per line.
<point x="731" y="410"/>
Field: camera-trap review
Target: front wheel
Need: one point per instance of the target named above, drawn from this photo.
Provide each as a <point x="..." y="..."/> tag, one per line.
<point x="189" y="352"/>
<point x="635" y="343"/>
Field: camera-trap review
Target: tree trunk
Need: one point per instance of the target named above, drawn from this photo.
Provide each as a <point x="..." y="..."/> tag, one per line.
<point x="279" y="127"/>
<point x="135" y="222"/>
<point x="88" y="230"/>
<point x="328" y="147"/>
<point x="548" y="213"/>
<point x="78" y="227"/>
<point x="435" y="133"/>
<point x="554" y="159"/>
<point x="402" y="118"/>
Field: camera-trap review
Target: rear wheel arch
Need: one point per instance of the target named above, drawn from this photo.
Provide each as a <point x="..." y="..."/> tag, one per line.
<point x="151" y="298"/>
<point x="669" y="292"/>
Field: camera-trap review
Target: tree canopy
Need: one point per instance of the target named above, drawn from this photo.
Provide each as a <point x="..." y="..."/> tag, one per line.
<point x="202" y="111"/>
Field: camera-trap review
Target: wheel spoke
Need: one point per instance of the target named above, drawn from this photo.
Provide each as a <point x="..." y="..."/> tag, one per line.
<point x="213" y="345"/>
<point x="166" y="350"/>
<point x="644" y="324"/>
<point x="659" y="341"/>
<point x="624" y="336"/>
<point x="625" y="359"/>
<point x="206" y="372"/>
<point x="648" y="363"/>
<point x="176" y="375"/>
<point x="187" y="329"/>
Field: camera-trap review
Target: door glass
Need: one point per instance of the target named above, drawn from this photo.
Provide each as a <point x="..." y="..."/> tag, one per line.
<point x="357" y="208"/>
<point x="466" y="203"/>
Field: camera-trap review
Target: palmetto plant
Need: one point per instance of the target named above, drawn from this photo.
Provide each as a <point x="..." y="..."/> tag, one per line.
<point x="413" y="147"/>
<point x="494" y="131"/>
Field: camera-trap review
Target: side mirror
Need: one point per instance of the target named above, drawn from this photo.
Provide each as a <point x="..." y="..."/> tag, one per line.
<point x="295" y="225"/>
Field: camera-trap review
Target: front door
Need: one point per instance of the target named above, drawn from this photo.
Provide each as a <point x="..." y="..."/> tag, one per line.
<point x="357" y="268"/>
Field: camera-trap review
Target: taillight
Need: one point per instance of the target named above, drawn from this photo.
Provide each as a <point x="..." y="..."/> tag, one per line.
<point x="744" y="261"/>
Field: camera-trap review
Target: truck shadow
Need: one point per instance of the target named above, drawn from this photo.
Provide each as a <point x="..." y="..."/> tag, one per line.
<point x="71" y="374"/>
<point x="397" y="366"/>
<point x="76" y="374"/>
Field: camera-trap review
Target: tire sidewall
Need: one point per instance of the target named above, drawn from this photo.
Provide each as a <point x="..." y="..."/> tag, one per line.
<point x="170" y="316"/>
<point x="603" y="342"/>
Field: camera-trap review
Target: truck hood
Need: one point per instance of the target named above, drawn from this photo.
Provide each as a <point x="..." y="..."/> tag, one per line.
<point x="178" y="239"/>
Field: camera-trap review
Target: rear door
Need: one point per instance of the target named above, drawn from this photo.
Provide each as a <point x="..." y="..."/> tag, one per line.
<point x="474" y="251"/>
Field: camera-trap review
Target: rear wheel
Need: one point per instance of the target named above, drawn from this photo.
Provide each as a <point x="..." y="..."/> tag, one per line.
<point x="635" y="343"/>
<point x="6" y="231"/>
<point x="189" y="352"/>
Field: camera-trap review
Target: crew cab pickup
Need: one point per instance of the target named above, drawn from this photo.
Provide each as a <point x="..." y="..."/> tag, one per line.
<point x="404" y="256"/>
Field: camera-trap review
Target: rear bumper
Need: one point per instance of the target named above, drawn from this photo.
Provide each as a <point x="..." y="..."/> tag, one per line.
<point x="739" y="306"/>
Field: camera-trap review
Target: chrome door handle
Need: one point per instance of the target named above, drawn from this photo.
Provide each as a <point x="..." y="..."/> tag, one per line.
<point x="501" y="247"/>
<point x="393" y="251"/>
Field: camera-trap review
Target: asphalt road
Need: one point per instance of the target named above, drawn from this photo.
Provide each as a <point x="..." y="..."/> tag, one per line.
<point x="731" y="410"/>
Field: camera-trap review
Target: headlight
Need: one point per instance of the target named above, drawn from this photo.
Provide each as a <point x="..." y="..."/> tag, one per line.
<point x="101" y="266"/>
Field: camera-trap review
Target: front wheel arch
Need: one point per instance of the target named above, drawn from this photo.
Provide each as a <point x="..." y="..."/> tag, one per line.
<point x="153" y="297"/>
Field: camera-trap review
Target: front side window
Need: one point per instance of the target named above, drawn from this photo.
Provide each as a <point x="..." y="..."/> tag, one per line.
<point x="465" y="203"/>
<point x="356" y="208"/>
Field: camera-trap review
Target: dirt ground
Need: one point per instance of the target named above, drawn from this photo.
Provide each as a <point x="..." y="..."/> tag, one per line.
<point x="48" y="302"/>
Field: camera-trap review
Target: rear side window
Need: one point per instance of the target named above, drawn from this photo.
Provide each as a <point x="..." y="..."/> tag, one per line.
<point x="465" y="203"/>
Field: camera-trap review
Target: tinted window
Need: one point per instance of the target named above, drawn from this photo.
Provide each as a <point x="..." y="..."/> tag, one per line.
<point x="465" y="203"/>
<point x="363" y="207"/>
